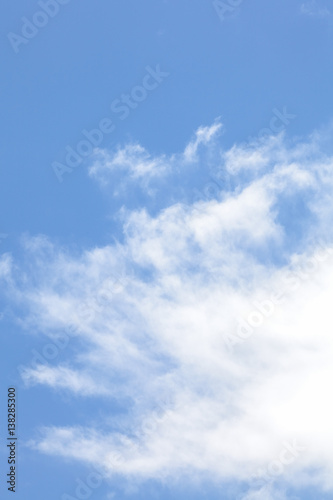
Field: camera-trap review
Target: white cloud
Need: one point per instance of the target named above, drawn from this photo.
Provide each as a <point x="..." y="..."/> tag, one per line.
<point x="132" y="166"/>
<point x="265" y="493"/>
<point x="5" y="265"/>
<point x="193" y="272"/>
<point x="203" y="136"/>
<point x="132" y="160"/>
<point x="62" y="377"/>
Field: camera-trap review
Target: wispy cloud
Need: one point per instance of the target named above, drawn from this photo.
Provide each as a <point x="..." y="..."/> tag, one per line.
<point x="194" y="271"/>
<point x="315" y="8"/>
<point x="132" y="166"/>
<point x="62" y="377"/>
<point x="265" y="493"/>
<point x="203" y="136"/>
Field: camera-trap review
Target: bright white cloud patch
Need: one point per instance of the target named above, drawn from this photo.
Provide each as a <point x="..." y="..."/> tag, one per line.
<point x="213" y="316"/>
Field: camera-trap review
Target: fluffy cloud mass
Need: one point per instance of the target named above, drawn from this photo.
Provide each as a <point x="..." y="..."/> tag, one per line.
<point x="211" y="315"/>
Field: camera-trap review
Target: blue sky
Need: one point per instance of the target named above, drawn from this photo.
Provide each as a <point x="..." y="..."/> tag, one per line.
<point x="137" y="311"/>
